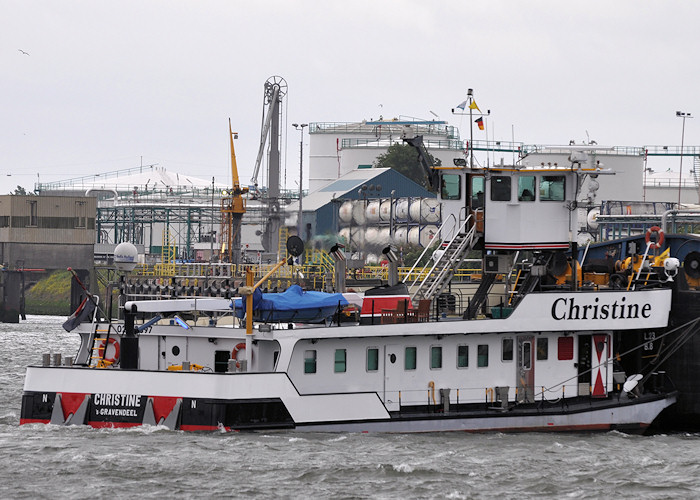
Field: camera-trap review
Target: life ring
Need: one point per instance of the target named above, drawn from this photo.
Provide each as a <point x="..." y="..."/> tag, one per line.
<point x="234" y="353"/>
<point x="101" y="350"/>
<point x="660" y="239"/>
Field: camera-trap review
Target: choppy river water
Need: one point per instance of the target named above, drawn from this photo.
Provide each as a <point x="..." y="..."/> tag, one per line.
<point x="44" y="461"/>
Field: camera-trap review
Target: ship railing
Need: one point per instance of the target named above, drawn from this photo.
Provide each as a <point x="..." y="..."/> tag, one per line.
<point x="434" y="396"/>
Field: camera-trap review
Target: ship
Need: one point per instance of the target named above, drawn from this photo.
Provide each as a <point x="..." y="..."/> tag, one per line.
<point x="544" y="343"/>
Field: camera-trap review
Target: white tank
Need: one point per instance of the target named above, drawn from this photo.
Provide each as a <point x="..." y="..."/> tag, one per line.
<point x="402" y="209"/>
<point x="358" y="235"/>
<point x="401" y="235"/>
<point x="385" y="210"/>
<point x="384" y="237"/>
<point x="372" y="212"/>
<point x="344" y="235"/>
<point x="372" y="236"/>
<point x="422" y="235"/>
<point x="345" y="212"/>
<point x="358" y="212"/>
<point x="126" y="256"/>
<point x="426" y="210"/>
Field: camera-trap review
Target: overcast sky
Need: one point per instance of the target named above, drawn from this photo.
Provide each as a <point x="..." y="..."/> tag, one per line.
<point x="106" y="83"/>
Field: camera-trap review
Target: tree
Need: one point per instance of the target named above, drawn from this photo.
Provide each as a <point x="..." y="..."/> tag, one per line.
<point x="20" y="191"/>
<point x="404" y="159"/>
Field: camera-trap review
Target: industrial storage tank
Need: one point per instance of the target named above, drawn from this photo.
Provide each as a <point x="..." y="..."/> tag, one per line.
<point x="358" y="212"/>
<point x="402" y="209"/>
<point x="372" y="236"/>
<point x="357" y="235"/>
<point x="422" y="235"/>
<point x="345" y="212"/>
<point x="426" y="210"/>
<point x="401" y="235"/>
<point x="385" y="210"/>
<point x="344" y="235"/>
<point x="372" y="214"/>
<point x="384" y="237"/>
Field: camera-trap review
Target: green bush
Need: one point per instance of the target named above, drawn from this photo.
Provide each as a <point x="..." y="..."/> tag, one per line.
<point x="51" y="295"/>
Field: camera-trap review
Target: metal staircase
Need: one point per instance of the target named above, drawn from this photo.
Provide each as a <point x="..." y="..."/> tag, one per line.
<point x="439" y="275"/>
<point x="696" y="170"/>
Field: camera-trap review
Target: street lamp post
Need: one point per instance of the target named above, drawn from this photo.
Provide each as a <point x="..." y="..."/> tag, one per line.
<point x="300" y="127"/>
<point x="684" y="115"/>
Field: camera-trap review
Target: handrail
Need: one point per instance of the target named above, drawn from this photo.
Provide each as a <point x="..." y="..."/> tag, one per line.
<point x="461" y="228"/>
<point x="435" y="238"/>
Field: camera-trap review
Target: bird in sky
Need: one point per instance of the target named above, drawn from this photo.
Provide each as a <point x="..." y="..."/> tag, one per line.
<point x="23" y="52"/>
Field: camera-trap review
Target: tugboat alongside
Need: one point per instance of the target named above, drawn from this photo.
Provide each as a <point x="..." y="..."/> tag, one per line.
<point x="555" y="346"/>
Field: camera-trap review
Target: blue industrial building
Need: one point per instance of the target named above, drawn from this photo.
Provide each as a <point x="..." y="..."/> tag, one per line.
<point x="320" y="208"/>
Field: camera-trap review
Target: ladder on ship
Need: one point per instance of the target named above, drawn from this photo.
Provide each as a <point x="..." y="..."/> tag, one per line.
<point x="696" y="170"/>
<point x="100" y="343"/>
<point x="438" y="277"/>
<point x="282" y="243"/>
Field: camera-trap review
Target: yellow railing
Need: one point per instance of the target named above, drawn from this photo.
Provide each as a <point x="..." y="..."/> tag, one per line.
<point x="315" y="270"/>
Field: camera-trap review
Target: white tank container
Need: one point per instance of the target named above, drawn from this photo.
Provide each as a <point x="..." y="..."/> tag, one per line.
<point x="384" y="237"/>
<point x="401" y="235"/>
<point x="385" y="210"/>
<point x="372" y="236"/>
<point x="422" y="235"/>
<point x="426" y="210"/>
<point x="345" y="212"/>
<point x="358" y="212"/>
<point x="402" y="209"/>
<point x="372" y="214"/>
<point x="358" y="235"/>
<point x="344" y="235"/>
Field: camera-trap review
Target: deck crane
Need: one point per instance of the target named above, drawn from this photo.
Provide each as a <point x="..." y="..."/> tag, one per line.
<point x="275" y="90"/>
<point x="233" y="207"/>
<point x="423" y="158"/>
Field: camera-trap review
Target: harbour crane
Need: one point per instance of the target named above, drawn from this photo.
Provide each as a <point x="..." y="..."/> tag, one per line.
<point x="233" y="206"/>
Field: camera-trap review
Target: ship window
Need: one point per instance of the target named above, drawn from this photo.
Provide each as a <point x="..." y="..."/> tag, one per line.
<point x="372" y="359"/>
<point x="507" y="350"/>
<point x="310" y="361"/>
<point x="500" y="188"/>
<point x="410" y="358"/>
<point x="552" y="188"/>
<point x="482" y="355"/>
<point x="221" y="361"/>
<point x="542" y="349"/>
<point x="275" y="358"/>
<point x="340" y="356"/>
<point x="527" y="355"/>
<point x="526" y="188"/>
<point x="451" y="187"/>
<point x="462" y="356"/>
<point x="565" y="348"/>
<point x="435" y="357"/>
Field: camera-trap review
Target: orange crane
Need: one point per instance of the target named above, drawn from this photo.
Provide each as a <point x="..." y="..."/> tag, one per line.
<point x="233" y="207"/>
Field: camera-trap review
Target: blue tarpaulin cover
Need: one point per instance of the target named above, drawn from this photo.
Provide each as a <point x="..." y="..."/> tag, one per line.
<point x="294" y="304"/>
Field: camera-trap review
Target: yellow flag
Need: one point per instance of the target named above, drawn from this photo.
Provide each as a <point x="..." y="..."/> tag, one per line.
<point x="473" y="105"/>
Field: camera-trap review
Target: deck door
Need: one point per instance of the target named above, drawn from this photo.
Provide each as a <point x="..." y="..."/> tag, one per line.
<point x="393" y="371"/>
<point x="526" y="368"/>
<point x="584" y="364"/>
<point x="599" y="370"/>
